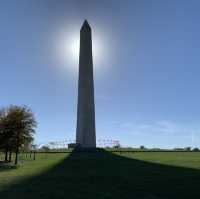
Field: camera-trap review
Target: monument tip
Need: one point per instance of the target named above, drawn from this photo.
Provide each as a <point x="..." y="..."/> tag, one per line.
<point x="85" y="24"/>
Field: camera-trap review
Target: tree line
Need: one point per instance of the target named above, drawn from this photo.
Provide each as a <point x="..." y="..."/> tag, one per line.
<point x="17" y="129"/>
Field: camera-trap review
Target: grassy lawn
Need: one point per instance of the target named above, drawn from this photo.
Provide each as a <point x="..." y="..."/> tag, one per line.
<point x="182" y="159"/>
<point x="28" y="168"/>
<point x="105" y="175"/>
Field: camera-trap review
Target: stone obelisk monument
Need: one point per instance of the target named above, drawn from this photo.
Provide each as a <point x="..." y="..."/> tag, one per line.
<point x="85" y="131"/>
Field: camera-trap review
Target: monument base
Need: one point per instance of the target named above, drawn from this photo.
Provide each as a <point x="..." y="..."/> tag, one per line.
<point x="79" y="148"/>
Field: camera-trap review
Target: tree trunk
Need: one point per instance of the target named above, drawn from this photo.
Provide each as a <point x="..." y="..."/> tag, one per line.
<point x="10" y="156"/>
<point x="6" y="155"/>
<point x="16" y="155"/>
<point x="17" y="149"/>
<point x="34" y="156"/>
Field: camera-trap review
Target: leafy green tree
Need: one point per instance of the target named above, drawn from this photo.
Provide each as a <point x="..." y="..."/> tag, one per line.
<point x="45" y="148"/>
<point x="142" y="147"/>
<point x="5" y="134"/>
<point x="188" y="148"/>
<point x="195" y="149"/>
<point x="17" y="129"/>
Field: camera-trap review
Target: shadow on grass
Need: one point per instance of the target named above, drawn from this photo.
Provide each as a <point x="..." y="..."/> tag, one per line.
<point x="104" y="176"/>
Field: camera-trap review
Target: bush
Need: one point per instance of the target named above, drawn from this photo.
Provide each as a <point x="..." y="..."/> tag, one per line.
<point x="187" y="148"/>
<point x="195" y="149"/>
<point x="142" y="147"/>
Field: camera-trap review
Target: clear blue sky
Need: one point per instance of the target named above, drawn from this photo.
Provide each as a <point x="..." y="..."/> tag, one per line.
<point x="146" y="88"/>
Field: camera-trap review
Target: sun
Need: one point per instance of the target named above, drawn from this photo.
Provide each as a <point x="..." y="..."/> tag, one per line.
<point x="74" y="48"/>
<point x="69" y="47"/>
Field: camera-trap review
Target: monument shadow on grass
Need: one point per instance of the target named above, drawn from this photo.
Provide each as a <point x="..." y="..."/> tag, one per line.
<point x="104" y="175"/>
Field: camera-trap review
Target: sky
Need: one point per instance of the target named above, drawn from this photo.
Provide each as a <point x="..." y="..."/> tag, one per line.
<point x="146" y="70"/>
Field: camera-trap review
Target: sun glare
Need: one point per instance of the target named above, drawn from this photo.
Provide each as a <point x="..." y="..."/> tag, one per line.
<point x="74" y="47"/>
<point x="70" y="46"/>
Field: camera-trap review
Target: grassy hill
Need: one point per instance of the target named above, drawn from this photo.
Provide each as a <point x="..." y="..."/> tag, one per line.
<point x="104" y="175"/>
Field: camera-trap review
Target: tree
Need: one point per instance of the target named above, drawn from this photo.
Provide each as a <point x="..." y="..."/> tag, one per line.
<point x="5" y="134"/>
<point x="195" y="149"/>
<point x="45" y="148"/>
<point x="188" y="148"/>
<point x="117" y="146"/>
<point x="17" y="127"/>
<point x="142" y="147"/>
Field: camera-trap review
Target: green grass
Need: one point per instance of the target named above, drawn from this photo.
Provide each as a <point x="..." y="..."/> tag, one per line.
<point x="182" y="159"/>
<point x="105" y="175"/>
<point x="28" y="168"/>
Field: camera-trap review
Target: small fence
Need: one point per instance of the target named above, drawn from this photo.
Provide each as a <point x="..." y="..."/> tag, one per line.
<point x="21" y="156"/>
<point x="101" y="143"/>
